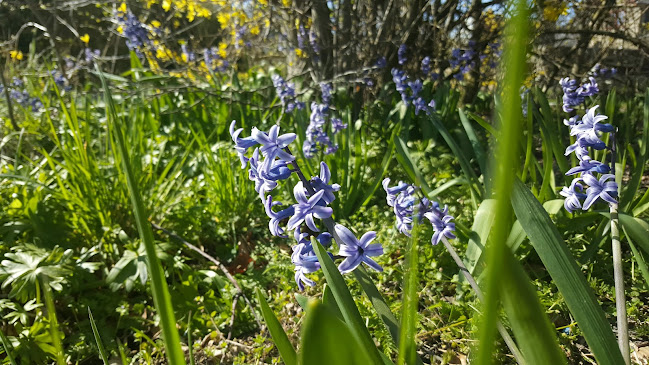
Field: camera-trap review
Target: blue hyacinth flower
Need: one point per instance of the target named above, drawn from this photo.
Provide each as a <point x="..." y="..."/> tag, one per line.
<point x="357" y="251"/>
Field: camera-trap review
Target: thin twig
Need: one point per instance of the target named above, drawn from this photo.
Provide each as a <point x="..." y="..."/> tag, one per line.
<point x="234" y="312"/>
<point x="216" y="262"/>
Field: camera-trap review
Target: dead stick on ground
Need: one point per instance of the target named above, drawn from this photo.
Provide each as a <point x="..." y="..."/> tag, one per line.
<point x="216" y="262"/>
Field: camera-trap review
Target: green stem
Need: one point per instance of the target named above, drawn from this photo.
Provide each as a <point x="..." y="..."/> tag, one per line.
<point x="509" y="341"/>
<point x="618" y="270"/>
<point x="620" y="299"/>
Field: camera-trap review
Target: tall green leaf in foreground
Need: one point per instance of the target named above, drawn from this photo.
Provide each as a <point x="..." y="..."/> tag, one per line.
<point x="286" y="350"/>
<point x="506" y="280"/>
<point x="159" y="288"/>
<point x="565" y="273"/>
<point x="327" y="340"/>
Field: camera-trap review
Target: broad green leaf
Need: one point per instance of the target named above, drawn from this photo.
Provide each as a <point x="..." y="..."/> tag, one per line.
<point x="534" y="333"/>
<point x="567" y="276"/>
<point x="327" y="340"/>
<point x="329" y="300"/>
<point x="301" y="300"/>
<point x="280" y="339"/>
<point x="482" y="223"/>
<point x="637" y="228"/>
<point x="346" y="302"/>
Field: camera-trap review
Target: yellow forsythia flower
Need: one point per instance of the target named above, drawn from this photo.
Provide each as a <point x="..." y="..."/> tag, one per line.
<point x="299" y="52"/>
<point x="85" y="38"/>
<point x="16" y="55"/>
<point x="222" y="47"/>
<point x="263" y="2"/>
<point x="166" y="5"/>
<point x="155" y="24"/>
<point x="122" y="8"/>
<point x="254" y="30"/>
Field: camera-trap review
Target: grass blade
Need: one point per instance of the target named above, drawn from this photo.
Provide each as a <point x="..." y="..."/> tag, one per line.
<point x="284" y="346"/>
<point x="95" y="332"/>
<point x="407" y="346"/>
<point x="7" y="347"/>
<point x="638" y="258"/>
<point x="567" y="276"/>
<point x="159" y="288"/>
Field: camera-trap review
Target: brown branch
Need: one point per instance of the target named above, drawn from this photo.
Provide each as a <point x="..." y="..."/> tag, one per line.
<point x="216" y="262"/>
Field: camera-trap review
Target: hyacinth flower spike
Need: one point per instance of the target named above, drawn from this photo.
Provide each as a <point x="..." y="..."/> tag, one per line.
<point x="357" y="251"/>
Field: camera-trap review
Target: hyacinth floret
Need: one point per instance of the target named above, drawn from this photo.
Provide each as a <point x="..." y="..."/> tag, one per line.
<point x="600" y="189"/>
<point x="273" y="145"/>
<point x="241" y="145"/>
<point x="276" y="217"/>
<point x="307" y="209"/>
<point x="321" y="183"/>
<point x="357" y="251"/>
<point x="573" y="194"/>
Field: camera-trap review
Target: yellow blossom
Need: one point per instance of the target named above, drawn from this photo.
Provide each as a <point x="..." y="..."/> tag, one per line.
<point x="254" y="30"/>
<point x="122" y="8"/>
<point x="85" y="38"/>
<point x="155" y="24"/>
<point x="222" y="48"/>
<point x="16" y="55"/>
<point x="166" y="5"/>
<point x="299" y="52"/>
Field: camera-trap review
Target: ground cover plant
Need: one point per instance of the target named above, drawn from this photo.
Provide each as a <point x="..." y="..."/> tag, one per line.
<point x="204" y="182"/>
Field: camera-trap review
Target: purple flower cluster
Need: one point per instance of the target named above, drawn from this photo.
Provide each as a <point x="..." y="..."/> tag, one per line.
<point x="408" y="208"/>
<point x="463" y="60"/>
<point x="575" y="94"/>
<point x="312" y="199"/>
<point x="286" y="92"/>
<point x="91" y="54"/>
<point x="604" y="72"/>
<point x="410" y="90"/>
<point x="320" y="122"/>
<point x="137" y="35"/>
<point x="211" y="57"/>
<point x="20" y="95"/>
<point x="587" y="131"/>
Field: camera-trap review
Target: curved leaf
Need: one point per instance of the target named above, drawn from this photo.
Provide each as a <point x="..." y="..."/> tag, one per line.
<point x="565" y="273"/>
